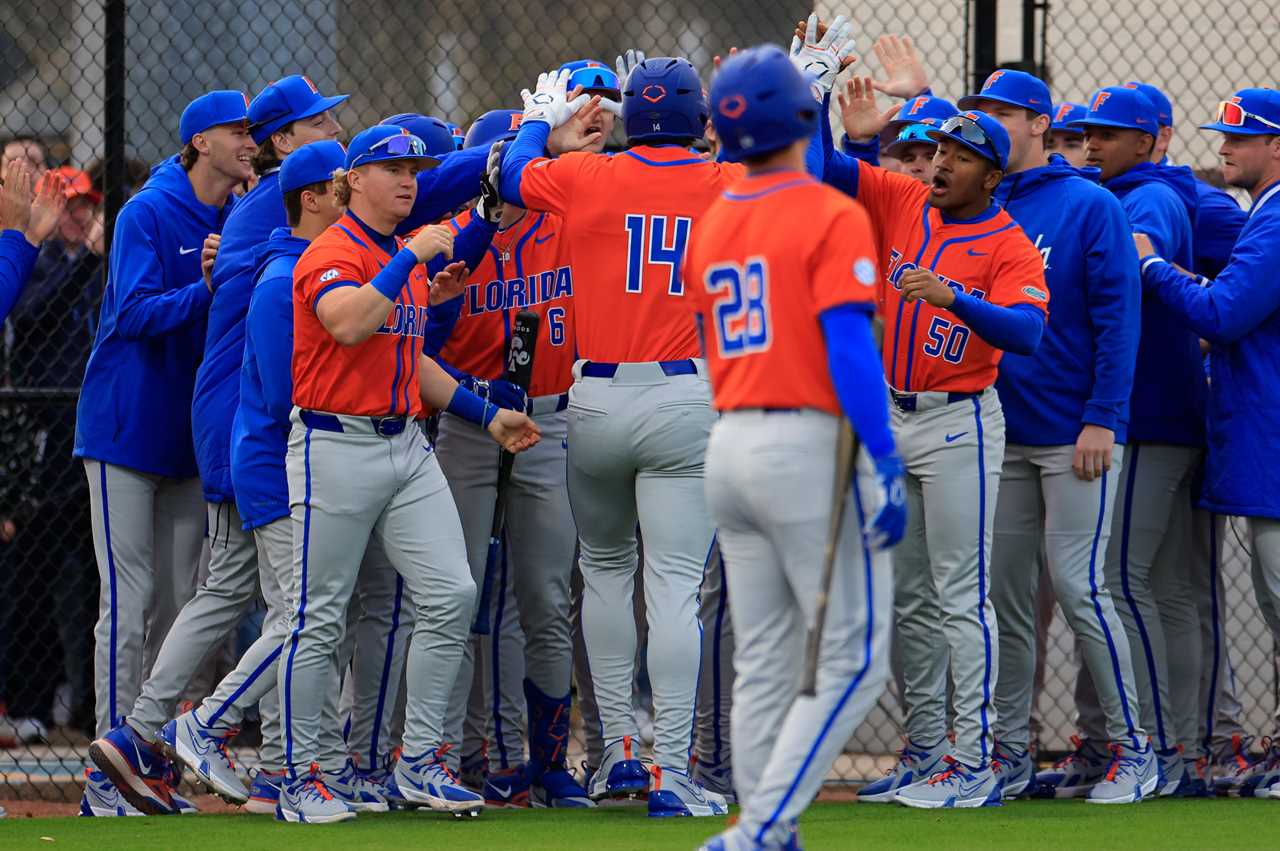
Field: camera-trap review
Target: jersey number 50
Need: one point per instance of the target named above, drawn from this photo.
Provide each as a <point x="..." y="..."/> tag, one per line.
<point x="647" y="243"/>
<point x="741" y="306"/>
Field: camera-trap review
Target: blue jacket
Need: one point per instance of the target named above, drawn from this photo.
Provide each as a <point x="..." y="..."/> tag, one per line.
<point x="1169" y="392"/>
<point x="17" y="259"/>
<point x="217" y="390"/>
<point x="1083" y="371"/>
<point x="1217" y="225"/>
<point x="260" y="427"/>
<point x="1239" y="313"/>
<point x="135" y="404"/>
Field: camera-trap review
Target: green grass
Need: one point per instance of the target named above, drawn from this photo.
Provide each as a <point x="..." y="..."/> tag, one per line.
<point x="1193" y="825"/>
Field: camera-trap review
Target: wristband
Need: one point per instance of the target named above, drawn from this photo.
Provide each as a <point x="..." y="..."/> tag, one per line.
<point x="391" y="280"/>
<point x="471" y="407"/>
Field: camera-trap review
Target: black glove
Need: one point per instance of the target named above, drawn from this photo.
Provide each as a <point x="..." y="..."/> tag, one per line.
<point x="489" y="207"/>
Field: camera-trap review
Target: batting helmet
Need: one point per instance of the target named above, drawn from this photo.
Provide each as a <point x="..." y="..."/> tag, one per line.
<point x="594" y="77"/>
<point x="433" y="132"/>
<point x="494" y="125"/>
<point x="760" y="103"/>
<point x="662" y="100"/>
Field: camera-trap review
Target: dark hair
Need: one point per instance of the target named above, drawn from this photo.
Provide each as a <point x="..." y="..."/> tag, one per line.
<point x="135" y="173"/>
<point x="267" y="156"/>
<point x="293" y="200"/>
<point x="188" y="156"/>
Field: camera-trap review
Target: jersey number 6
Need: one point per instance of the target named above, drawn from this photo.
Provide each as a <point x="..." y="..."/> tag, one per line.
<point x="647" y="242"/>
<point x="741" y="306"/>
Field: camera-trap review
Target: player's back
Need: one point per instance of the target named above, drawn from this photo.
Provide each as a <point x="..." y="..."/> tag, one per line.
<point x="769" y="257"/>
<point x="628" y="219"/>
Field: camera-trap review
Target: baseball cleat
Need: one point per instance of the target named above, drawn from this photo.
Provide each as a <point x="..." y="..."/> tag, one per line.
<point x="474" y="769"/>
<point x="356" y="789"/>
<point x="716" y="778"/>
<point x="675" y="793"/>
<point x="551" y="784"/>
<point x="1076" y="773"/>
<point x="738" y="838"/>
<point x="1016" y="770"/>
<point x="427" y="781"/>
<point x="915" y="763"/>
<point x="264" y="793"/>
<point x="136" y="767"/>
<point x="305" y="799"/>
<point x="1193" y="783"/>
<point x="204" y="751"/>
<point x="1230" y="763"/>
<point x="957" y="786"/>
<point x="1262" y="775"/>
<point x="102" y="799"/>
<point x="620" y="774"/>
<point x="1131" y="776"/>
<point x="1172" y="771"/>
<point x="508" y="788"/>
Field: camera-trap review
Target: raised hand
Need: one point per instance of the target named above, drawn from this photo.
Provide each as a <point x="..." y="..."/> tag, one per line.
<point x="446" y="287"/>
<point x="489" y="207"/>
<point x="16" y="195"/>
<point x="823" y="54"/>
<point x="583" y="129"/>
<point x="859" y="112"/>
<point x="46" y="208"/>
<point x="514" y="431"/>
<point x="433" y="240"/>
<point x="549" y="102"/>
<point x="626" y="63"/>
<point x="900" y="61"/>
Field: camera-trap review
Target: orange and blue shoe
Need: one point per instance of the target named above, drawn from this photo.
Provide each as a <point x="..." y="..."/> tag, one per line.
<point x="957" y="786"/>
<point x="1076" y="773"/>
<point x="427" y="781"/>
<point x="620" y="775"/>
<point x="137" y="768"/>
<point x="264" y="792"/>
<point x="305" y="799"/>
<point x="1132" y="775"/>
<point x="101" y="799"/>
<point x="916" y="762"/>
<point x="675" y="793"/>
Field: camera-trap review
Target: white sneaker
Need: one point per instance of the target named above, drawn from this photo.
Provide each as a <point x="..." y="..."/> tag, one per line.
<point x="1131" y="776"/>
<point x="675" y="793"/>
<point x="101" y="799"/>
<point x="427" y="781"/>
<point x="958" y="786"/>
<point x="357" y="789"/>
<point x="305" y="799"/>
<point x="621" y="773"/>
<point x="915" y="763"/>
<point x="204" y="751"/>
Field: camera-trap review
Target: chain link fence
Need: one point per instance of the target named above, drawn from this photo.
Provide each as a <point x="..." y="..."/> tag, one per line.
<point x="99" y="86"/>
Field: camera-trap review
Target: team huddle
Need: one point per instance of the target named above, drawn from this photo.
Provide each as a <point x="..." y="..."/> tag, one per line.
<point x="638" y="368"/>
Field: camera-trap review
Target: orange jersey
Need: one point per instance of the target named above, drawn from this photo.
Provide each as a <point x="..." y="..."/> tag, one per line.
<point x="626" y="222"/>
<point x="378" y="377"/>
<point x="765" y="261"/>
<point x="525" y="267"/>
<point x="987" y="257"/>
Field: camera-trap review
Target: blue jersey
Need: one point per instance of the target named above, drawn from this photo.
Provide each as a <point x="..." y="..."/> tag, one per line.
<point x="135" y="404"/>
<point x="1239" y="314"/>
<point x="260" y="428"/>
<point x="1083" y="371"/>
<point x="1217" y="225"/>
<point x="1169" y="392"/>
<point x="17" y="259"/>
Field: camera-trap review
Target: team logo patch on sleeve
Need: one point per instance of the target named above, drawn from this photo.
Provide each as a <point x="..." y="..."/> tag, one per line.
<point x="1036" y="293"/>
<point x="864" y="271"/>
<point x="329" y="275"/>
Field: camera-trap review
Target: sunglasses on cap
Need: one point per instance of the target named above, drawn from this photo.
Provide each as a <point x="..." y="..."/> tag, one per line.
<point x="969" y="130"/>
<point x="916" y="133"/>
<point x="1233" y="114"/>
<point x="394" y="146"/>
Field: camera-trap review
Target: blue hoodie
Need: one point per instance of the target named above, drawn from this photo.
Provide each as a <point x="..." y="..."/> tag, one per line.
<point x="1217" y="225"/>
<point x="135" y="404"/>
<point x="260" y="428"/>
<point x="1169" y="392"/>
<point x="1239" y="313"/>
<point x="1083" y="371"/>
<point x="17" y="259"/>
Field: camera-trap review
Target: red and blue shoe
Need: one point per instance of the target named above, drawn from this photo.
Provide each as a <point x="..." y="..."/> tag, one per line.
<point x="264" y="793"/>
<point x="137" y="768"/>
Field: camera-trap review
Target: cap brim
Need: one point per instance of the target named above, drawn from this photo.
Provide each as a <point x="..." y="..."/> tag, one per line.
<point x="1219" y="127"/>
<point x="1103" y="122"/>
<point x="1066" y="128"/>
<point x="970" y="103"/>
<point x="939" y="136"/>
<point x="896" y="146"/>
<point x="426" y="160"/>
<point x="263" y="132"/>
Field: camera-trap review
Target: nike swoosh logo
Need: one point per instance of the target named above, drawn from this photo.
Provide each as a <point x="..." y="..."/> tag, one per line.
<point x="952" y="438"/>
<point x="143" y="765"/>
<point x="201" y="745"/>
<point x="973" y="253"/>
<point x="538" y="240"/>
<point x="501" y="792"/>
<point x="187" y="250"/>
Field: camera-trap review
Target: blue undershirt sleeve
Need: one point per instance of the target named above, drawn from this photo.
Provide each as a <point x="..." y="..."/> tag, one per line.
<point x="854" y="363"/>
<point x="1014" y="329"/>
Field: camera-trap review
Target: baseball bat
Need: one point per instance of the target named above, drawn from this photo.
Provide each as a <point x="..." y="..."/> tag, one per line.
<point x="524" y="340"/>
<point x="847" y="445"/>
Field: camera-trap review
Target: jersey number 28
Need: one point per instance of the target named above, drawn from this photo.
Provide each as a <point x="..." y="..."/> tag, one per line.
<point x="741" y="306"/>
<point x="656" y="240"/>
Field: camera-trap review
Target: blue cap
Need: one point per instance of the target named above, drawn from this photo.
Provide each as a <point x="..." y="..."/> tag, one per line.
<point x="924" y="109"/>
<point x="993" y="146"/>
<point x="1252" y="112"/>
<point x="314" y="163"/>
<point x="594" y="77"/>
<point x="1164" y="107"/>
<point x="494" y="125"/>
<point x="225" y="106"/>
<point x="1017" y="88"/>
<point x="290" y="99"/>
<point x="433" y="132"/>
<point x="760" y="103"/>
<point x="377" y="144"/>
<point x="1117" y="106"/>
<point x="1068" y="112"/>
<point x="457" y="135"/>
<point x="912" y="134"/>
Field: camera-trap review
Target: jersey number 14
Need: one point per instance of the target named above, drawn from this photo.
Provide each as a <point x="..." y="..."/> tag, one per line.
<point x="656" y="241"/>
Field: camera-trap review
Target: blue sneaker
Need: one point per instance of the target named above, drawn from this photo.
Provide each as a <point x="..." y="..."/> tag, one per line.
<point x="136" y="767"/>
<point x="1193" y="783"/>
<point x="427" y="781"/>
<point x="508" y="788"/>
<point x="736" y="838"/>
<point x="305" y="799"/>
<point x="1131" y="776"/>
<point x="204" y="750"/>
<point x="1015" y="769"/>
<point x="620" y="774"/>
<point x="357" y="789"/>
<point x="556" y="787"/>
<point x="264" y="793"/>
<point x="551" y="785"/>
<point x="1076" y="773"/>
<point x="958" y="786"/>
<point x="915" y="763"/>
<point x="675" y="793"/>
<point x="101" y="799"/>
<point x="1262" y="775"/>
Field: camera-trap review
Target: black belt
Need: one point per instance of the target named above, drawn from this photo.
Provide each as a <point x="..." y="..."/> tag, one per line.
<point x="595" y="369"/>
<point x="906" y="402"/>
<point x="385" y="426"/>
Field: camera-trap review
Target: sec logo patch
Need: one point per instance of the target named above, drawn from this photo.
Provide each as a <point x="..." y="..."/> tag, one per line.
<point x="329" y="275"/>
<point x="864" y="271"/>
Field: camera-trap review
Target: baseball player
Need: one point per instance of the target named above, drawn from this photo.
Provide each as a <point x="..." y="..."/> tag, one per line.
<point x="1063" y="139"/>
<point x="1165" y="436"/>
<point x="785" y="303"/>
<point x="1238" y="314"/>
<point x="525" y="268"/>
<point x="357" y="395"/>
<point x="1065" y="416"/>
<point x="29" y="213"/>
<point x="148" y="524"/>
<point x="961" y="284"/>
<point x="639" y="410"/>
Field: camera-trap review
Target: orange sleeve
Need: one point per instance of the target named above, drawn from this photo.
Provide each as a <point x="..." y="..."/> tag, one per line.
<point x="887" y="195"/>
<point x="322" y="268"/>
<point x="549" y="184"/>
<point x="842" y="268"/>
<point x="1018" y="275"/>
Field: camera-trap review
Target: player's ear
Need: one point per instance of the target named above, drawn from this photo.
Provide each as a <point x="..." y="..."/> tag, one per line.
<point x="993" y="178"/>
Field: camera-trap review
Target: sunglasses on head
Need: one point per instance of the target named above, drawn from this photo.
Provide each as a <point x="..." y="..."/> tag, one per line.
<point x="916" y="133"/>
<point x="396" y="146"/>
<point x="1233" y="114"/>
<point x="968" y="129"/>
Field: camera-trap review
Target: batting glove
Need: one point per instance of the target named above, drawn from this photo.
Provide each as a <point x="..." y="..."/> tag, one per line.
<point x="887" y="527"/>
<point x="626" y="63"/>
<point x="500" y="392"/>
<point x="489" y="207"/>
<point x="549" y="102"/>
<point x="820" y="60"/>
